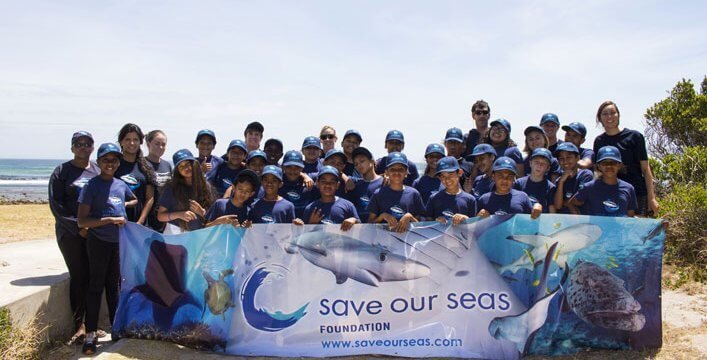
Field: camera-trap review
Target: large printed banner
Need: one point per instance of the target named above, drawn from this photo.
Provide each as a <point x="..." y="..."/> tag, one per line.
<point x="498" y="287"/>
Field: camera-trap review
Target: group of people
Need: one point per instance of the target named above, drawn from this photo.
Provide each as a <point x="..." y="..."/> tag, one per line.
<point x="481" y="172"/>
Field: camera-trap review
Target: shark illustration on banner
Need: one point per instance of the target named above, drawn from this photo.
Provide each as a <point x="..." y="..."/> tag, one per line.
<point x="494" y="288"/>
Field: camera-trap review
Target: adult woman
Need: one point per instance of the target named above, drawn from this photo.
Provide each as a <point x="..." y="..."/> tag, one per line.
<point x="65" y="185"/>
<point x="328" y="137"/>
<point x="499" y="136"/>
<point x="634" y="156"/>
<point x="156" y="145"/>
<point x="135" y="172"/>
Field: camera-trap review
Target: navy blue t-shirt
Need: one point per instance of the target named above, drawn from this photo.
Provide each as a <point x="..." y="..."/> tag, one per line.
<point x="163" y="172"/>
<point x="603" y="199"/>
<point x="222" y="178"/>
<point x="554" y="167"/>
<point x="586" y="153"/>
<point x="396" y="203"/>
<point x="412" y="170"/>
<point x="297" y="194"/>
<point x="427" y="185"/>
<point x="483" y="184"/>
<point x="510" y="151"/>
<point x="168" y="201"/>
<point x="553" y="147"/>
<point x="65" y="185"/>
<point x="361" y="195"/>
<point x="312" y="168"/>
<point x="272" y="212"/>
<point x="106" y="199"/>
<point x="334" y="212"/>
<point x="223" y="207"/>
<point x="632" y="147"/>
<point x="130" y="174"/>
<point x="572" y="185"/>
<point x="515" y="202"/>
<point x="542" y="193"/>
<point x="445" y="204"/>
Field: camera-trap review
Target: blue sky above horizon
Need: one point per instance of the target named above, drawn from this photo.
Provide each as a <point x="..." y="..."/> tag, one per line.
<point x="374" y="66"/>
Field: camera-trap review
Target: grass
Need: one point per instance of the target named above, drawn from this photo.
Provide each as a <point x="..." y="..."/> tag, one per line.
<point x="25" y="222"/>
<point x="26" y="342"/>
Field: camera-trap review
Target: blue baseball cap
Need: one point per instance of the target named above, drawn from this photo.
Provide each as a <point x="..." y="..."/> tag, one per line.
<point x="182" y="155"/>
<point x="254" y="154"/>
<point x="566" y="146"/>
<point x="447" y="164"/>
<point x="505" y="163"/>
<point x="395" y="135"/>
<point x="293" y="158"/>
<point x="206" y="132"/>
<point x="435" y="148"/>
<point x="327" y="169"/>
<point x="481" y="149"/>
<point x="239" y="144"/>
<point x="609" y="153"/>
<point x="362" y="151"/>
<point x="550" y="117"/>
<point x="79" y="134"/>
<point x="543" y="152"/>
<point x="396" y="158"/>
<point x="353" y="132"/>
<point x="310" y="141"/>
<point x="577" y="127"/>
<point x="532" y="128"/>
<point x="108" y="148"/>
<point x="454" y="134"/>
<point x="335" y="152"/>
<point x="503" y="122"/>
<point x="272" y="170"/>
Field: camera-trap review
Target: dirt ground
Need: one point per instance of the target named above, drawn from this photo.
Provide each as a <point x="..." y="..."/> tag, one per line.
<point x="25" y="222"/>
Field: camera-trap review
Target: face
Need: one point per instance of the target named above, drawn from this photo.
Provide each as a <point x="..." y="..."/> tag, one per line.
<point x="394" y="145"/>
<point x="311" y="154"/>
<point x="450" y="180"/>
<point x="236" y="156"/>
<point x="535" y="140"/>
<point x="363" y="164"/>
<point x="270" y="184"/>
<point x="292" y="173"/>
<point x="539" y="166"/>
<point x="455" y="148"/>
<point x="350" y="143"/>
<point x="568" y="160"/>
<point x="243" y="191"/>
<point x="337" y="162"/>
<point x="158" y="145"/>
<point x="574" y="137"/>
<point x="109" y="164"/>
<point x="550" y="128"/>
<point x="498" y="134"/>
<point x="481" y="116"/>
<point x="327" y="184"/>
<point x="256" y="164"/>
<point x="274" y="153"/>
<point x="397" y="173"/>
<point x="205" y="146"/>
<point x="185" y="169"/>
<point x="432" y="160"/>
<point x="82" y="148"/>
<point x="504" y="180"/>
<point x="485" y="162"/>
<point x="328" y="139"/>
<point x="253" y="138"/>
<point x="609" y="117"/>
<point x="130" y="143"/>
<point x="609" y="168"/>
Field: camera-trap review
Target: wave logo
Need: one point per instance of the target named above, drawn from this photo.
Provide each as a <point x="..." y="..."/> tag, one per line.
<point x="226" y="183"/>
<point x="267" y="219"/>
<point x="448" y="214"/>
<point x="115" y="201"/>
<point x="500" y="212"/>
<point x="610" y="206"/>
<point x="259" y="317"/>
<point x="131" y="181"/>
<point x="397" y="211"/>
<point x="293" y="195"/>
<point x="364" y="201"/>
<point x="568" y="195"/>
<point x="327" y="221"/>
<point x="533" y="199"/>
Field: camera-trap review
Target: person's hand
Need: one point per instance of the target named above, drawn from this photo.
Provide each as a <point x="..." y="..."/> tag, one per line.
<point x="404" y="223"/>
<point x="441" y="219"/>
<point x="227" y="219"/>
<point x="247" y="224"/>
<point x="298" y="222"/>
<point x="83" y="232"/>
<point x="117" y="220"/>
<point x="537" y="210"/>
<point x="458" y="219"/>
<point x="391" y="220"/>
<point x="348" y="223"/>
<point x="196" y="208"/>
<point x="185" y="215"/>
<point x="567" y="174"/>
<point x="386" y="180"/>
<point x="316" y="216"/>
<point x="205" y="165"/>
<point x="307" y="181"/>
<point x="483" y="213"/>
<point x="654" y="207"/>
<point x="350" y="184"/>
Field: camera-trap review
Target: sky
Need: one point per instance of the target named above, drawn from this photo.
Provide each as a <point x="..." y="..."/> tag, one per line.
<point x="415" y="66"/>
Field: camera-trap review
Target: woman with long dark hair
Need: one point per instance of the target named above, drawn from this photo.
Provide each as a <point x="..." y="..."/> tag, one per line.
<point x="136" y="172"/>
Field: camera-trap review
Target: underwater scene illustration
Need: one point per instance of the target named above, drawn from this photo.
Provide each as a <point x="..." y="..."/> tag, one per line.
<point x="499" y="287"/>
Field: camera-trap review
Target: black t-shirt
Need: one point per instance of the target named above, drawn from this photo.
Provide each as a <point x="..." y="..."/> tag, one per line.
<point x="136" y="180"/>
<point x="632" y="146"/>
<point x="163" y="173"/>
<point x="65" y="185"/>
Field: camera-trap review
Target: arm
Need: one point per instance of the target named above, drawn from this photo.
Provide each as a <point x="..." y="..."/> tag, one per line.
<point x="57" y="198"/>
<point x="648" y="175"/>
<point x="85" y="221"/>
<point x="574" y="205"/>
<point x="585" y="163"/>
<point x="164" y="215"/>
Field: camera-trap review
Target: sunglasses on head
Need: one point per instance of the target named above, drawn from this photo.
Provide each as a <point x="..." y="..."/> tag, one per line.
<point x="481" y="112"/>
<point x="327" y="136"/>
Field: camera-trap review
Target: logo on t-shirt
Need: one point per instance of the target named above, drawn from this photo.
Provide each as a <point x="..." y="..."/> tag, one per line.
<point x="397" y="211"/>
<point x="293" y="195"/>
<point x="81" y="182"/>
<point x="568" y="195"/>
<point x="226" y="183"/>
<point x="267" y="219"/>
<point x="610" y="206"/>
<point x="500" y="212"/>
<point x="162" y="178"/>
<point x="364" y="201"/>
<point x="115" y="201"/>
<point x="326" y="221"/>
<point x="448" y="214"/>
<point x="533" y="199"/>
<point x="131" y="181"/>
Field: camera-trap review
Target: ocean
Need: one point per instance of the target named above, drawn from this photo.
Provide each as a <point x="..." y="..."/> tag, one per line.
<point x="26" y="179"/>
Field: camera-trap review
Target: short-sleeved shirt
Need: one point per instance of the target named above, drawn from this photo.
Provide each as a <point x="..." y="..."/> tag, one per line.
<point x="515" y="202"/>
<point x="361" y="195"/>
<point x="602" y="199"/>
<point x="510" y="151"/>
<point x="312" y="168"/>
<point x="130" y="174"/>
<point x="296" y="193"/>
<point x="412" y="170"/>
<point x="163" y="172"/>
<point x="572" y="185"/>
<point x="483" y="184"/>
<point x="65" y="185"/>
<point x="396" y="203"/>
<point x="223" y="207"/>
<point x="272" y="212"/>
<point x="106" y="199"/>
<point x="554" y="167"/>
<point x="632" y="146"/>
<point x="222" y="178"/>
<point x="542" y="192"/>
<point x="215" y="162"/>
<point x="427" y="185"/>
<point x="444" y="204"/>
<point x="168" y="201"/>
<point x="585" y="153"/>
<point x="334" y="212"/>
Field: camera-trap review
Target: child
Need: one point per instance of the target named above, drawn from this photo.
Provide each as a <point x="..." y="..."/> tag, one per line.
<point x="550" y="124"/>
<point x="429" y="183"/>
<point x="575" y="133"/>
<point x="330" y="209"/>
<point x="337" y="159"/>
<point x="607" y="195"/>
<point x="205" y="143"/>
<point x="101" y="210"/>
<point x="222" y="177"/>
<point x="396" y="203"/>
<point x="504" y="199"/>
<point x="255" y="161"/>
<point x="272" y="208"/>
<point x="452" y="203"/>
<point x="535" y="138"/>
<point x="312" y="151"/>
<point x="573" y="178"/>
<point x="395" y="142"/>
<point x="234" y="211"/>
<point x="484" y="155"/>
<point x="499" y="136"/>
<point x="293" y="187"/>
<point x="352" y="140"/>
<point x="273" y="149"/>
<point x="539" y="189"/>
<point x="367" y="184"/>
<point x="186" y="196"/>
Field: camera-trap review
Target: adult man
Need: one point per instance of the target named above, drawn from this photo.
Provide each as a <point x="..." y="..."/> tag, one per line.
<point x="480" y="112"/>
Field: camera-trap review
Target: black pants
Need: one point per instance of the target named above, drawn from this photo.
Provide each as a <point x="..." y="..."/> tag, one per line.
<point x="104" y="272"/>
<point x="73" y="249"/>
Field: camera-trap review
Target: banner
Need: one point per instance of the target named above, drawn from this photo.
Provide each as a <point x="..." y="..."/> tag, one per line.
<point x="498" y="287"/>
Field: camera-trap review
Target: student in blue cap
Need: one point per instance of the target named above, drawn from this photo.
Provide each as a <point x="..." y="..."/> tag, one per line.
<point x="396" y="203"/>
<point x="352" y="139"/>
<point x="365" y="185"/>
<point x="272" y="208"/>
<point x="535" y="138"/>
<point x="499" y="136"/>
<point x="205" y="143"/>
<point x="504" y="199"/>
<point x="452" y="203"/>
<point x="101" y="211"/>
<point x="481" y="113"/>
<point x="337" y="159"/>
<point x="273" y="149"/>
<point x="312" y="151"/>
<point x="454" y="143"/>
<point x="573" y="178"/>
<point x="186" y="197"/>
<point x="293" y="187"/>
<point x="135" y="172"/>
<point x="429" y="183"/>
<point x="539" y="189"/>
<point x="222" y="177"/>
<point x="576" y="133"/>
<point x="255" y="160"/>
<point x="484" y="155"/>
<point x="329" y="208"/>
<point x="608" y="195"/>
<point x="65" y="185"/>
<point x="235" y="210"/>
<point x="551" y="123"/>
<point x="395" y="142"/>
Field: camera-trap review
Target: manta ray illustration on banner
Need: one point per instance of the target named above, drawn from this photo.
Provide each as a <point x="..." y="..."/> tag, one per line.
<point x="494" y="288"/>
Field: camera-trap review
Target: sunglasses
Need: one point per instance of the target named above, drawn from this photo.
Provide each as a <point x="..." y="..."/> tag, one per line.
<point x="83" y="145"/>
<point x="327" y="136"/>
<point x="481" y="112"/>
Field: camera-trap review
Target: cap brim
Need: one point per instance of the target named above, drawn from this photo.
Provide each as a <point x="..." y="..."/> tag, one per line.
<point x="454" y="139"/>
<point x="610" y="158"/>
<point x="293" y="163"/>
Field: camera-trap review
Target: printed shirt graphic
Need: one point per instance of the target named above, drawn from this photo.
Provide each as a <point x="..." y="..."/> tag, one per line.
<point x="539" y="192"/>
<point x="106" y="199"/>
<point x="396" y="203"/>
<point x="333" y="212"/>
<point x="272" y="212"/>
<point x="130" y="174"/>
<point x="163" y="172"/>
<point x="361" y="195"/>
<point x="445" y="204"/>
<point x="515" y="202"/>
<point x="607" y="200"/>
